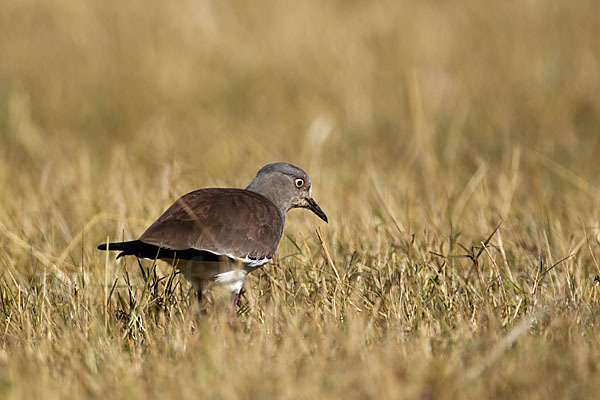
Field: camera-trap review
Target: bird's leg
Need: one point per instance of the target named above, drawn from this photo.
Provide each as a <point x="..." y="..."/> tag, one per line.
<point x="233" y="310"/>
<point x="199" y="294"/>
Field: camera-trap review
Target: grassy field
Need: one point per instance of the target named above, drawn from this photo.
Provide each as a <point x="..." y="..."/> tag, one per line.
<point x="453" y="145"/>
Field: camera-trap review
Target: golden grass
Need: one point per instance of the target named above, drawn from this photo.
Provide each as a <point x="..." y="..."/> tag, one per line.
<point x="424" y="126"/>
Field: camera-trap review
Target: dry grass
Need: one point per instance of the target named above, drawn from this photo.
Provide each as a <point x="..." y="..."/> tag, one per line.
<point x="424" y="125"/>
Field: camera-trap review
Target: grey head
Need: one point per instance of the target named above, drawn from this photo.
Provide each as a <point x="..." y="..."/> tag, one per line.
<point x="287" y="187"/>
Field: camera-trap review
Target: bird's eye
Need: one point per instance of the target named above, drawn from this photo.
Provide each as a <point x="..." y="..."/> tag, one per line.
<point x="299" y="182"/>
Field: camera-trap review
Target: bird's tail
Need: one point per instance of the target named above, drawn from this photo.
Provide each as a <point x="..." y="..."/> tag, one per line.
<point x="133" y="247"/>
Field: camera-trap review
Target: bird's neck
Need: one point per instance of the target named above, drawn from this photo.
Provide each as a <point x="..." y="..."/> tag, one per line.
<point x="268" y="188"/>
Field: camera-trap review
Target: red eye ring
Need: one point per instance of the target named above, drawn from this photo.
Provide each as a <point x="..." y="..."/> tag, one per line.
<point x="299" y="182"/>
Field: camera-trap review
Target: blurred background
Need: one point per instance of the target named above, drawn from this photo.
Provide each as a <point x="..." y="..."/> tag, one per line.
<point x="422" y="124"/>
<point x="122" y="107"/>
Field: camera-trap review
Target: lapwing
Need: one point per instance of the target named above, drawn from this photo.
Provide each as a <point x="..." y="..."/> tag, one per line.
<point x="220" y="235"/>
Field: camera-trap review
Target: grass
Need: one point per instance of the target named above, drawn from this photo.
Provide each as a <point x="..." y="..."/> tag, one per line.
<point x="454" y="148"/>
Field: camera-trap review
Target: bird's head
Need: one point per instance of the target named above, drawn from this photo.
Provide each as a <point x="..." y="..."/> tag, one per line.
<point x="287" y="187"/>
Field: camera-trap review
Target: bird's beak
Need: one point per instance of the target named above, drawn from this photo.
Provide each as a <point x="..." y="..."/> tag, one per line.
<point x="314" y="207"/>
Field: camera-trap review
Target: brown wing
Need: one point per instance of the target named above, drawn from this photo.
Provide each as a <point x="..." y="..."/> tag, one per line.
<point x="224" y="221"/>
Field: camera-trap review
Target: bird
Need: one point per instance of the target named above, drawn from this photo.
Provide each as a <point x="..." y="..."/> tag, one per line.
<point x="222" y="234"/>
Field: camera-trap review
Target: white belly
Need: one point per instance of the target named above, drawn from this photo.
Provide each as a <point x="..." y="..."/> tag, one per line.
<point x="229" y="274"/>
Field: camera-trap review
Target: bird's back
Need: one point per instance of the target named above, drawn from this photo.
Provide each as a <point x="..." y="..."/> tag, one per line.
<point x="236" y="223"/>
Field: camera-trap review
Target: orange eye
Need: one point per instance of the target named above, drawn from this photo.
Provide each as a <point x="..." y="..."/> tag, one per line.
<point x="299" y="182"/>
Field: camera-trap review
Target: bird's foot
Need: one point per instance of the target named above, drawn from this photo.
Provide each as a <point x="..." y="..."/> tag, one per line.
<point x="232" y="320"/>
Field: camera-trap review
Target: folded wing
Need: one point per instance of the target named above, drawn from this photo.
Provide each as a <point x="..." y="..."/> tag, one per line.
<point x="231" y="222"/>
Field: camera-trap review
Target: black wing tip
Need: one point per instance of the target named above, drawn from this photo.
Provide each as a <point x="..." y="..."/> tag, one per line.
<point x="144" y="250"/>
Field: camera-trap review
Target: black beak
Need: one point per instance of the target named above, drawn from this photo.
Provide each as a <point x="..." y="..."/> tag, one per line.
<point x="314" y="207"/>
